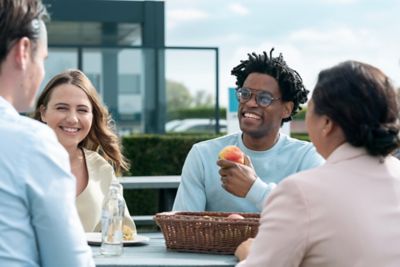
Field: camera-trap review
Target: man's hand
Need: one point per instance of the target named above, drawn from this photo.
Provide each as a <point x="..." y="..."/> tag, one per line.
<point x="237" y="178"/>
<point x="242" y="251"/>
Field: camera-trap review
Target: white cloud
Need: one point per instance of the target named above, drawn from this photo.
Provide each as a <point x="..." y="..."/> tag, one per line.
<point x="186" y="14"/>
<point x="239" y="9"/>
<point x="228" y="38"/>
<point x="365" y="32"/>
<point x="176" y="16"/>
<point x="326" y="36"/>
<point x="310" y="50"/>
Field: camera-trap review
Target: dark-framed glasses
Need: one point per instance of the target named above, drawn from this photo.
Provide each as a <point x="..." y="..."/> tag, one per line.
<point x="263" y="99"/>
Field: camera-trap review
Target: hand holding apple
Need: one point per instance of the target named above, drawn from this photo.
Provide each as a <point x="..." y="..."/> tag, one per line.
<point x="236" y="179"/>
<point x="232" y="153"/>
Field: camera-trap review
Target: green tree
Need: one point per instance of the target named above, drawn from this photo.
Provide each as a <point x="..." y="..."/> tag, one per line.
<point x="203" y="99"/>
<point x="178" y="96"/>
<point x="182" y="105"/>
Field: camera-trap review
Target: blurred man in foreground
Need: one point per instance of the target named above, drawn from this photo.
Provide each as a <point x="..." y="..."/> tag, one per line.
<point x="39" y="223"/>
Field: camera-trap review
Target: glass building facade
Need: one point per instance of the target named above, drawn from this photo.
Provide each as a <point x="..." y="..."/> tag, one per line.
<point x="120" y="45"/>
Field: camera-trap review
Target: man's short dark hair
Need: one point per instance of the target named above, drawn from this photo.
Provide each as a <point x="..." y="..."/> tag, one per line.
<point x="18" y="19"/>
<point x="290" y="82"/>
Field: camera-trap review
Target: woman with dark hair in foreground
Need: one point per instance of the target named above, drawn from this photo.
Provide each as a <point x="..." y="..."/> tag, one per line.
<point x="347" y="211"/>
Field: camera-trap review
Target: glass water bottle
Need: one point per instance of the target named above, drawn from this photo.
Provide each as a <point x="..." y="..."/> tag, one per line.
<point x="112" y="221"/>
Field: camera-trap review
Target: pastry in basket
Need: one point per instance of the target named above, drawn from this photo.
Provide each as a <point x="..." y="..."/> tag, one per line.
<point x="235" y="216"/>
<point x="128" y="233"/>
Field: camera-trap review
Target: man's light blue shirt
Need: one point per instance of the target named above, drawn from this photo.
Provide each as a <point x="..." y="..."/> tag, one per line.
<point x="39" y="224"/>
<point x="201" y="190"/>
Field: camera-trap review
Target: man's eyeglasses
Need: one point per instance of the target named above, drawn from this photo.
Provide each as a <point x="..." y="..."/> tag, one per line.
<point x="263" y="99"/>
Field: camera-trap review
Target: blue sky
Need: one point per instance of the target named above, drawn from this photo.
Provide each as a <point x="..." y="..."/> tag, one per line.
<point x="312" y="35"/>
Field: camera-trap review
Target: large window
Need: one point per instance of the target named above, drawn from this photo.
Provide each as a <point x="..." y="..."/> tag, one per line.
<point x="118" y="76"/>
<point x="121" y="76"/>
<point x="59" y="59"/>
<point x="191" y="90"/>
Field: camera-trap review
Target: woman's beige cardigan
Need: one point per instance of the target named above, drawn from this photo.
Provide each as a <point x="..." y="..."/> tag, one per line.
<point x="89" y="202"/>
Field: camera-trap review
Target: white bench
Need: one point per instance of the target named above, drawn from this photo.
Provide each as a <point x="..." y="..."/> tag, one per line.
<point x="143" y="220"/>
<point x="150" y="182"/>
<point x="167" y="184"/>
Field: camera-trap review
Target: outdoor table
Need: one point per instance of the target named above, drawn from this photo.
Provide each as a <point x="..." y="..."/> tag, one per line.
<point x="155" y="253"/>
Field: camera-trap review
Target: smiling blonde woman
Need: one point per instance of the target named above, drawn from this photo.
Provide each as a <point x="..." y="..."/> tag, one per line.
<point x="70" y="105"/>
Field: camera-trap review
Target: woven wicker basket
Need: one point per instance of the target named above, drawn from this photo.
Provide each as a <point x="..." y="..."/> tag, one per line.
<point x="206" y="232"/>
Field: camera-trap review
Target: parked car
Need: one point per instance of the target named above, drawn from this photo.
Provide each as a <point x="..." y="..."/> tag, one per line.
<point x="195" y="126"/>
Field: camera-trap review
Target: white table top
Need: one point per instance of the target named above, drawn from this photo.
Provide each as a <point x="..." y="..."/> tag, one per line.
<point x="155" y="254"/>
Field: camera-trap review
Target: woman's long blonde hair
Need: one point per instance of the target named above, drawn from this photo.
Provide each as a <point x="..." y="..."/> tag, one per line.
<point x="101" y="137"/>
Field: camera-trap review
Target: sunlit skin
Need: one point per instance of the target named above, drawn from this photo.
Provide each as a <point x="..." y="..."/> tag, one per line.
<point x="23" y="70"/>
<point x="36" y="68"/>
<point x="69" y="114"/>
<point x="242" y="251"/>
<point x="260" y="125"/>
<point x="314" y="126"/>
<point x="324" y="133"/>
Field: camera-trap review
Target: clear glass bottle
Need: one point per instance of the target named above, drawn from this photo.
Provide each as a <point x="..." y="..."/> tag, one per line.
<point x="112" y="221"/>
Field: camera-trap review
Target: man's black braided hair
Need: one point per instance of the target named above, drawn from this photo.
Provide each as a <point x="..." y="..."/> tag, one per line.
<point x="290" y="82"/>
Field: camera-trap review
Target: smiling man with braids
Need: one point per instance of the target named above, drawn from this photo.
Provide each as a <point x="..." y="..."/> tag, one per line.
<point x="269" y="94"/>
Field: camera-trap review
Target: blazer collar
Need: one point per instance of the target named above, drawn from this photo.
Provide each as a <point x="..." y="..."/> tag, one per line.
<point x="345" y="152"/>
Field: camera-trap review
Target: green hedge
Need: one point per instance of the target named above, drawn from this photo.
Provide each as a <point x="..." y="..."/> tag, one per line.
<point x="158" y="155"/>
<point x="301" y="136"/>
<point x="155" y="155"/>
<point x="301" y="115"/>
<point x="198" y="112"/>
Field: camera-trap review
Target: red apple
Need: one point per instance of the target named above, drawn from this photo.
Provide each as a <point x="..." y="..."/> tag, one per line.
<point x="232" y="153"/>
<point x="235" y="216"/>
